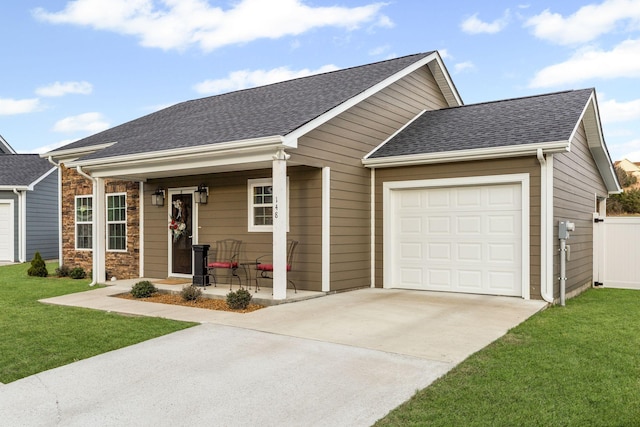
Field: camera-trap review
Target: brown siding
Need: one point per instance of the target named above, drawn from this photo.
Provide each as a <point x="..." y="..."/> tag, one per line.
<point x="123" y="265"/>
<point x="341" y="144"/>
<point x="528" y="165"/>
<point x="577" y="183"/>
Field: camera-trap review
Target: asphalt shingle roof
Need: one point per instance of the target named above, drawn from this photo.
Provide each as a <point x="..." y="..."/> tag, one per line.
<point x="276" y="109"/>
<point x="22" y="169"/>
<point x="535" y="119"/>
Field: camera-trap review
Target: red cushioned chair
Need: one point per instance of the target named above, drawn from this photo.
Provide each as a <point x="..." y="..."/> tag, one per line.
<point x="225" y="257"/>
<point x="264" y="269"/>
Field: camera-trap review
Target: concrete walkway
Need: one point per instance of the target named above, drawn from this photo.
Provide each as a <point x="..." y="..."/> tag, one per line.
<point x="343" y="359"/>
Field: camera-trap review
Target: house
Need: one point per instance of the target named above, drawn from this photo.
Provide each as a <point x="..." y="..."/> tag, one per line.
<point x="28" y="206"/>
<point x="629" y="167"/>
<point x="379" y="171"/>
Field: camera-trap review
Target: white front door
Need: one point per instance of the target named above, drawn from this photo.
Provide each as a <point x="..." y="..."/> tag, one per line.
<point x="6" y="230"/>
<point x="457" y="239"/>
<point x="182" y="231"/>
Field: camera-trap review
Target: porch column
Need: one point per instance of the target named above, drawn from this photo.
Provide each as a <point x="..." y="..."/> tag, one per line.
<point x="280" y="209"/>
<point x="99" y="241"/>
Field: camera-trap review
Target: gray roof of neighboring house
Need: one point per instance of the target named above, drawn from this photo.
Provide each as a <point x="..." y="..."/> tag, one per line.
<point x="276" y="109"/>
<point x="535" y="119"/>
<point x="22" y="169"/>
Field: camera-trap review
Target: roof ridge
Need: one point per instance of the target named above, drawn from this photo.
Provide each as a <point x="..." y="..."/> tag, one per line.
<point x="304" y="77"/>
<point x="539" y="95"/>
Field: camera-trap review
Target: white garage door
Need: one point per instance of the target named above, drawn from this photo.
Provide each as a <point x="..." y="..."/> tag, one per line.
<point x="458" y="239"/>
<point x="6" y="232"/>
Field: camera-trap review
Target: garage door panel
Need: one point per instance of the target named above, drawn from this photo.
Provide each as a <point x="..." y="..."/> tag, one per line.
<point x="469" y="239"/>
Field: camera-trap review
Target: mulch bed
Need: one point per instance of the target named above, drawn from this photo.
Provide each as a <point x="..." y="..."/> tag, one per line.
<point x="208" y="303"/>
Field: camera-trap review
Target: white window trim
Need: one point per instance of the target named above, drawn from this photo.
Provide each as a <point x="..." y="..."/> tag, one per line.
<point x="76" y="222"/>
<point x="259" y="182"/>
<point x="126" y="233"/>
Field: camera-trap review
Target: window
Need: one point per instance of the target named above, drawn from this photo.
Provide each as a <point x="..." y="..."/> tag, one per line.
<point x="117" y="222"/>
<point x="261" y="204"/>
<point x="84" y="222"/>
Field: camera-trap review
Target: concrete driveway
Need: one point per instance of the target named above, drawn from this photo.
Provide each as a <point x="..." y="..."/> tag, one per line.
<point x="340" y="360"/>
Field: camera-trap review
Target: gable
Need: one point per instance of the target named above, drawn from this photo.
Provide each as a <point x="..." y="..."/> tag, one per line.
<point x="5" y="148"/>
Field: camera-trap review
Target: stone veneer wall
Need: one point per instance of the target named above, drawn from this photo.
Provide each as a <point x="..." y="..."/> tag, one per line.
<point x="122" y="265"/>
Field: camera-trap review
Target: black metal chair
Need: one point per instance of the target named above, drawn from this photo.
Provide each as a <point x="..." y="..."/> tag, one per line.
<point x="225" y="257"/>
<point x="264" y="265"/>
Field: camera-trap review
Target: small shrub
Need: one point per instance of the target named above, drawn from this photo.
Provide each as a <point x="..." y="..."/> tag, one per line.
<point x="239" y="300"/>
<point x="38" y="267"/>
<point x="77" y="273"/>
<point x="191" y="293"/>
<point x="63" y="271"/>
<point x="143" y="289"/>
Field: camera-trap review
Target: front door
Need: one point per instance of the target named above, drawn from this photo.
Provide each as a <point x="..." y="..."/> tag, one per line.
<point x="181" y="231"/>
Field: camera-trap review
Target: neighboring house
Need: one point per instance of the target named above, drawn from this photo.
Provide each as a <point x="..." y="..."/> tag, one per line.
<point x="379" y="171"/>
<point x="28" y="206"/>
<point x="629" y="167"/>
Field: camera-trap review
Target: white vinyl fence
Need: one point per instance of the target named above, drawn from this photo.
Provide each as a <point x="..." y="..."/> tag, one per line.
<point x="621" y="255"/>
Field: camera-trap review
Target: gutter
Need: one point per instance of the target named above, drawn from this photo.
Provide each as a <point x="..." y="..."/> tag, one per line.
<point x="546" y="225"/>
<point x="94" y="233"/>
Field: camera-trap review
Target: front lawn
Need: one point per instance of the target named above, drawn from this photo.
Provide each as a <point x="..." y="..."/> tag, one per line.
<point x="577" y="365"/>
<point x="35" y="337"/>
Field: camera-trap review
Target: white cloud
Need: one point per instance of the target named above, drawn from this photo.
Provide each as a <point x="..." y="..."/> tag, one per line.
<point x="473" y="25"/>
<point x="444" y="54"/>
<point x="60" y="89"/>
<point x="613" y="111"/>
<point x="587" y="24"/>
<point x="50" y="147"/>
<point x="87" y="122"/>
<point x="10" y="106"/>
<point x="178" y="24"/>
<point x="243" y="79"/>
<point x="463" y="66"/>
<point x="622" y="61"/>
<point x="379" y="50"/>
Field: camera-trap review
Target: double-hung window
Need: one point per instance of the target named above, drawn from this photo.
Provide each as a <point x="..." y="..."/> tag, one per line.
<point x="84" y="222"/>
<point x="117" y="222"/>
<point x="261" y="204"/>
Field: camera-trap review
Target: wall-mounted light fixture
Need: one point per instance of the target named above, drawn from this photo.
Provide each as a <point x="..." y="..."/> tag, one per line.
<point x="202" y="194"/>
<point x="157" y="198"/>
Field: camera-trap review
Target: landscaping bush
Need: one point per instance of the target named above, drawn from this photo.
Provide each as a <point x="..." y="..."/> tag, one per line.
<point x="143" y="289"/>
<point x="77" y="273"/>
<point x="239" y="299"/>
<point x="63" y="271"/>
<point x="38" y="267"/>
<point x="191" y="293"/>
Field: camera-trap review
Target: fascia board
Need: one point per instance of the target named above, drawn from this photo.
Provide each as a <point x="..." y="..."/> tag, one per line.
<point x="598" y="149"/>
<point x="447" y="77"/>
<point x="14" y="187"/>
<point x="8" y="147"/>
<point x="292" y="137"/>
<point x="468" y="155"/>
<point x="74" y="153"/>
<point x="184" y="161"/>
<point x="181" y="153"/>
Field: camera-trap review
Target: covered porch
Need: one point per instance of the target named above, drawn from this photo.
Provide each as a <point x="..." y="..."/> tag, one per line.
<point x="258" y="195"/>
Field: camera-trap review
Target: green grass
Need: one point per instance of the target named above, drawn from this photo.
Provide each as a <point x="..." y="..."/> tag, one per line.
<point x="35" y="337"/>
<point x="577" y="365"/>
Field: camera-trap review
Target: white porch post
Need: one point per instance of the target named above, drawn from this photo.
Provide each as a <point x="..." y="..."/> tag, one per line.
<point x="99" y="240"/>
<point x="280" y="209"/>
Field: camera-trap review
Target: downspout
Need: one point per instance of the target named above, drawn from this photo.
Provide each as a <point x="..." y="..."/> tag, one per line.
<point x="94" y="278"/>
<point x="57" y="165"/>
<point x="21" y="225"/>
<point x="546" y="285"/>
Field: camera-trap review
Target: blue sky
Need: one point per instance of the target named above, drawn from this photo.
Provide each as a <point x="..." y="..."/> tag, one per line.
<point x="74" y="68"/>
